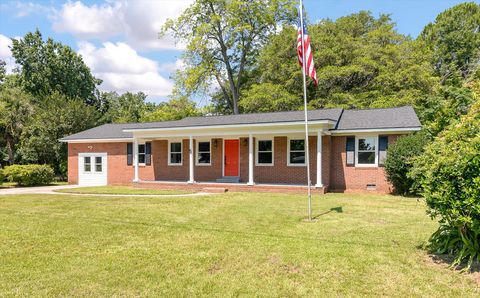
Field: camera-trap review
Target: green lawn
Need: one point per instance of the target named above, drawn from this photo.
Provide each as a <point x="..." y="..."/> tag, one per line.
<point x="121" y="190"/>
<point x="233" y="244"/>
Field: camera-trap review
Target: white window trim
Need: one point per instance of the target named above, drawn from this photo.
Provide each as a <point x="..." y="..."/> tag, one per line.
<point x="93" y="155"/>
<point x="197" y="153"/>
<point x="288" y="153"/>
<point x="138" y="153"/>
<point x="169" y="153"/>
<point x="364" y="165"/>
<point x="257" y="152"/>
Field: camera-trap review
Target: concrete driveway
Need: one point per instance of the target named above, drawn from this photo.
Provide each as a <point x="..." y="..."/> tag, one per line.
<point x="33" y="190"/>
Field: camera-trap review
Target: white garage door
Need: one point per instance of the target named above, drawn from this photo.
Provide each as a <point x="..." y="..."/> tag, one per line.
<point x="92" y="169"/>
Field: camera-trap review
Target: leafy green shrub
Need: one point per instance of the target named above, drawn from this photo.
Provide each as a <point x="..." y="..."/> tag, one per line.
<point x="2" y="176"/>
<point x="449" y="172"/>
<point x="28" y="175"/>
<point x="399" y="162"/>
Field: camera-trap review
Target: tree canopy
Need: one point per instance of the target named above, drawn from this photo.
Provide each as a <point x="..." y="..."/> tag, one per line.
<point x="48" y="66"/>
<point x="222" y="42"/>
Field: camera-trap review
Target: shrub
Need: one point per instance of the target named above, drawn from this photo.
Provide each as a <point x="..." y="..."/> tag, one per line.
<point x="449" y="172"/>
<point x="28" y="175"/>
<point x="399" y="162"/>
<point x="2" y="176"/>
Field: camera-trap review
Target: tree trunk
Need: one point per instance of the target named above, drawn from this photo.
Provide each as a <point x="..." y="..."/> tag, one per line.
<point x="9" y="144"/>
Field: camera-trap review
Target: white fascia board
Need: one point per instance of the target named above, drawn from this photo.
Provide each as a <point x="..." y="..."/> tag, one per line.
<point x="220" y="127"/>
<point x="376" y="130"/>
<point x="98" y="140"/>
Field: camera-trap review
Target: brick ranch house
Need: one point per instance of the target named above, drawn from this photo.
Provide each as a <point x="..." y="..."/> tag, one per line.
<point x="262" y="151"/>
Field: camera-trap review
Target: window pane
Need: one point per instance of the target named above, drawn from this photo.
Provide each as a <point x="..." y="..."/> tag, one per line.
<point x="366" y="157"/>
<point x="297" y="145"/>
<point x="175" y="158"/>
<point x="141" y="158"/>
<point x="141" y="148"/>
<point x="265" y="145"/>
<point x="367" y="144"/>
<point x="175" y="147"/>
<point x="86" y="164"/>
<point x="265" y="157"/>
<point x="203" y="157"/>
<point x="297" y="157"/>
<point x="204" y="147"/>
<point x="98" y="163"/>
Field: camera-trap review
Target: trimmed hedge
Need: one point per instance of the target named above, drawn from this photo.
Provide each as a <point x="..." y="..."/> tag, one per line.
<point x="29" y="175"/>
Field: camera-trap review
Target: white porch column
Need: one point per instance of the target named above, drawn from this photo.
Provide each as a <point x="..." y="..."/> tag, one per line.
<point x="191" y="160"/>
<point x="319" y="159"/>
<point x="135" y="159"/>
<point x="250" y="160"/>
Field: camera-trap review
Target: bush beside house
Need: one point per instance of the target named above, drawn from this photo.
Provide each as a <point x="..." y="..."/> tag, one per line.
<point x="2" y="177"/>
<point x="29" y="175"/>
<point x="449" y="173"/>
<point x="399" y="162"/>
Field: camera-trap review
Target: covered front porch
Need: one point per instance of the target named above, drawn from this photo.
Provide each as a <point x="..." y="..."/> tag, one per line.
<point x="236" y="157"/>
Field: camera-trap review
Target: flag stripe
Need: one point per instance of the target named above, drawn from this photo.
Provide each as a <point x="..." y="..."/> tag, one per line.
<point x="307" y="49"/>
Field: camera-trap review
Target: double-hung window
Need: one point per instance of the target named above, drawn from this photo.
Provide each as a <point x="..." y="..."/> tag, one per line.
<point x="175" y="155"/>
<point x="296" y="152"/>
<point x="264" y="152"/>
<point x="203" y="153"/>
<point x="366" y="151"/>
<point x="98" y="164"/>
<point x="87" y="164"/>
<point x="141" y="154"/>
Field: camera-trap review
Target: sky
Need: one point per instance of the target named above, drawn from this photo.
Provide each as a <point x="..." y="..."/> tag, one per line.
<point x="119" y="41"/>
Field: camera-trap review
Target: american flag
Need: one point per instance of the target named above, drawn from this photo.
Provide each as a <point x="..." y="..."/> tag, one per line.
<point x="310" y="65"/>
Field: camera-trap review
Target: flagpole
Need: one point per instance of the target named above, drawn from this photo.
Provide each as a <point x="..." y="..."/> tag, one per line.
<point x="307" y="150"/>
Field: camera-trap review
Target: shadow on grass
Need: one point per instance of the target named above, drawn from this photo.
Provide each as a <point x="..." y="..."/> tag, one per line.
<point x="336" y="209"/>
<point x="447" y="260"/>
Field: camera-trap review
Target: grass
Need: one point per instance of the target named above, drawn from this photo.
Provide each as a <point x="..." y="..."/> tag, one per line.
<point x="14" y="184"/>
<point x="234" y="244"/>
<point x="121" y="190"/>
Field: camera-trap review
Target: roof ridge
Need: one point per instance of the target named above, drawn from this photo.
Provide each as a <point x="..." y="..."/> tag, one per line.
<point x="369" y="109"/>
<point x="257" y="113"/>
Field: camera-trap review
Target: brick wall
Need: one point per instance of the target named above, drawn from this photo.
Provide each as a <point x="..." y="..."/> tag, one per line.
<point x="344" y="178"/>
<point x="118" y="171"/>
<point x="335" y="174"/>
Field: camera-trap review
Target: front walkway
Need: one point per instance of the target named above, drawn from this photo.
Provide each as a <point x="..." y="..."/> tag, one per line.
<point x="52" y="190"/>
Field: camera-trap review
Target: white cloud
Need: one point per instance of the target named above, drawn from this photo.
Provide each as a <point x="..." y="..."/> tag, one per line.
<point x="24" y="9"/>
<point x="6" y="53"/>
<point x="90" y="21"/>
<point x="139" y="21"/>
<point x="122" y="69"/>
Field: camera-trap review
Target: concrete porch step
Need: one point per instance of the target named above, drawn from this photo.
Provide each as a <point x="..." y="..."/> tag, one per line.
<point x="229" y="179"/>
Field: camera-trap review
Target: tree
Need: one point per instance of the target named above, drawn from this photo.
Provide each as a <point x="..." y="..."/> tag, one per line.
<point x="3" y="70"/>
<point x="54" y="118"/>
<point x="268" y="97"/>
<point x="174" y="109"/>
<point x="448" y="171"/>
<point x="454" y="38"/>
<point x="361" y="62"/>
<point x="223" y="39"/>
<point x="48" y="67"/>
<point x="15" y="109"/>
<point x="125" y="108"/>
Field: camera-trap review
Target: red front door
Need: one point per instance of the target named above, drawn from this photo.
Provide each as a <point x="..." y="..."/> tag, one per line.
<point x="231" y="158"/>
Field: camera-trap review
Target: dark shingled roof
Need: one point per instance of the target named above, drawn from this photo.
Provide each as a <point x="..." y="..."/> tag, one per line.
<point x="403" y="117"/>
<point x="105" y="131"/>
<point x="255" y="118"/>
